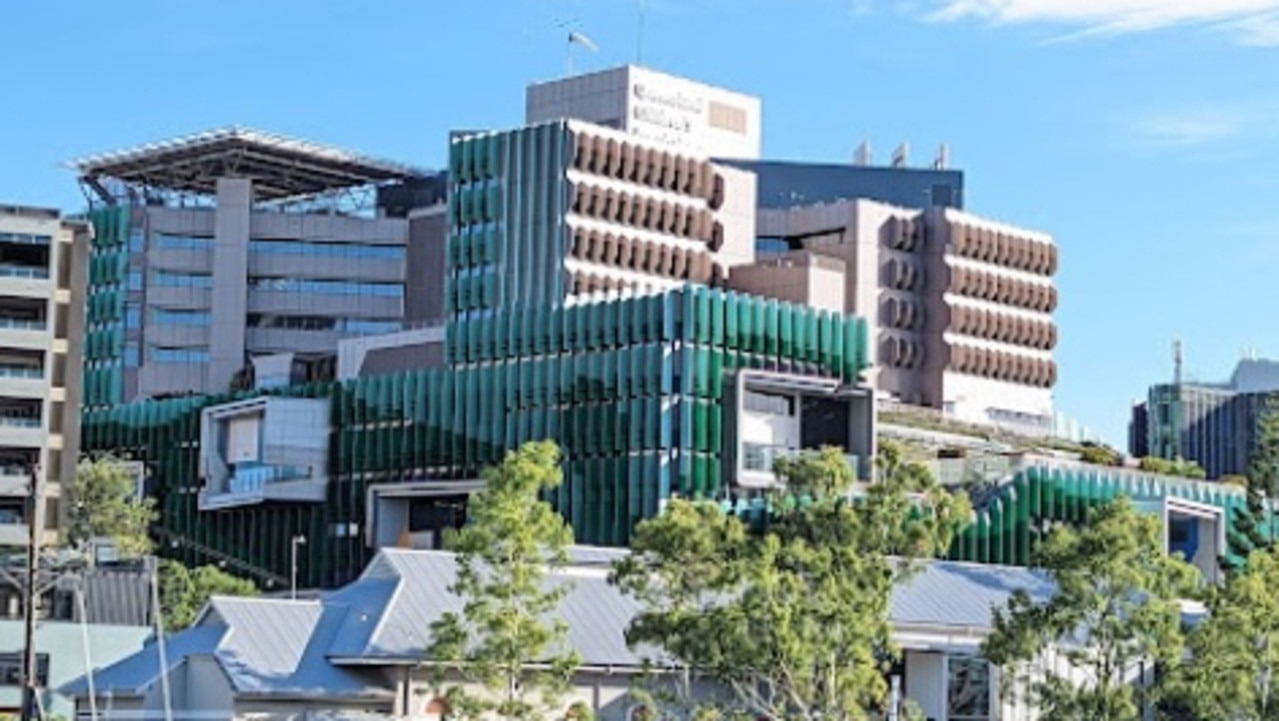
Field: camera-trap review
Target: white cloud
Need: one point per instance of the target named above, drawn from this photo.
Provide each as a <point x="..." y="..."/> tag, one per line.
<point x="1212" y="127"/>
<point x="1254" y="22"/>
<point x="1191" y="128"/>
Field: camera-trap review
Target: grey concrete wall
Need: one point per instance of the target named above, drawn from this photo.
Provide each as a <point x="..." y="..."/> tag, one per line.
<point x="426" y="266"/>
<point x="230" y="272"/>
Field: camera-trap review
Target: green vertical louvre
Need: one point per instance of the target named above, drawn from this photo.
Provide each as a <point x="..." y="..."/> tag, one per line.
<point x="511" y="370"/>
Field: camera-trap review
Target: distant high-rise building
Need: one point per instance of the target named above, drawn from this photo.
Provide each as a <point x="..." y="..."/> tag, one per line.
<point x="1212" y="424"/>
<point x="218" y="249"/>
<point x="681" y="114"/>
<point x="42" y="280"/>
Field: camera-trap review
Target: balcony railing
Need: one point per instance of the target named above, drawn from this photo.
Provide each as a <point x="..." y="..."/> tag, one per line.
<point x="11" y="518"/>
<point x="23" y="324"/>
<point x="252" y="479"/>
<point x="20" y="421"/>
<point x="759" y="458"/>
<point x="24" y="271"/>
<point x="11" y="371"/>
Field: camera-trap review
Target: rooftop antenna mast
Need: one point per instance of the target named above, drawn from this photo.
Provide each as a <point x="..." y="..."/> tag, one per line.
<point x="1176" y="362"/>
<point x="639" y="34"/>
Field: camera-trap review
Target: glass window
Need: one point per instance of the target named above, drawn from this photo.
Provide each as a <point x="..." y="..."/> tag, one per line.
<point x="131" y="356"/>
<point x="135" y="280"/>
<point x="165" y="316"/>
<point x="161" y="354"/>
<point x="329" y="250"/>
<point x="135" y="241"/>
<point x="360" y="326"/>
<point x="25" y="238"/>
<point x="768" y="403"/>
<point x="181" y="280"/>
<point x="330" y="287"/>
<point x="166" y="241"/>
<point x="968" y="689"/>
<point x="132" y="317"/>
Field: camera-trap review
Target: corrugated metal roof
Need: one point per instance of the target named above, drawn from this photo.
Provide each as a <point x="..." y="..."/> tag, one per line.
<point x="946" y="593"/>
<point x="595" y="612"/>
<point x="117" y="597"/>
<point x="135" y="673"/>
<point x="274" y="646"/>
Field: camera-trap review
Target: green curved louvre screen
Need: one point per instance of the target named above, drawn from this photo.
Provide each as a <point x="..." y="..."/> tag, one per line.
<point x="632" y="389"/>
<point x="1010" y="526"/>
<point x="105" y="307"/>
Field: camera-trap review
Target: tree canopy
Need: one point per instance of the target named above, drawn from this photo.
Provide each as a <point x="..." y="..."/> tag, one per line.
<point x="1179" y="467"/>
<point x="1234" y="651"/>
<point x="1251" y="527"/>
<point x="505" y="639"/>
<point x="103" y="503"/>
<point x="793" y="620"/>
<point x="1115" y="606"/>
<point x="184" y="592"/>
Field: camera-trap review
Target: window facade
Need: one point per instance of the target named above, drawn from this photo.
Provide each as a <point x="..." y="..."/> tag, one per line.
<point x="162" y="354"/>
<point x="166" y="316"/>
<point x="968" y="692"/>
<point x="329" y="287"/>
<point x="167" y="241"/>
<point x="352" y="251"/>
<point x="169" y="279"/>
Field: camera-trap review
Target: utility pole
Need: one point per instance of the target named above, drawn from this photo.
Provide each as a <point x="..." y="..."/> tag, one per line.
<point x="30" y="680"/>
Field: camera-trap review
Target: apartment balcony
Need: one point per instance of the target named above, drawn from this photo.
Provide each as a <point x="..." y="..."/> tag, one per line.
<point x="14" y="481"/>
<point x="13" y="529"/>
<point x="253" y="484"/>
<point x="23" y="272"/>
<point x="23" y="375"/>
<point x="264" y="450"/>
<point x="758" y="461"/>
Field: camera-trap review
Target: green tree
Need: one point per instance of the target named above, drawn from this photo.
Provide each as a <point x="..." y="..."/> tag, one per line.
<point x="1235" y="649"/>
<point x="1234" y="479"/>
<point x="103" y="503"/>
<point x="1099" y="455"/>
<point x="792" y="620"/>
<point x="1164" y="467"/>
<point x="503" y="639"/>
<point x="185" y="592"/>
<point x="1115" y="606"/>
<point x="1188" y="469"/>
<point x="1251" y="526"/>
<point x="822" y="473"/>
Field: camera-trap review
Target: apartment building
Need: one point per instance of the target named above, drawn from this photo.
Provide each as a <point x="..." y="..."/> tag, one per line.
<point x="216" y="250"/>
<point x="960" y="307"/>
<point x="42" y="277"/>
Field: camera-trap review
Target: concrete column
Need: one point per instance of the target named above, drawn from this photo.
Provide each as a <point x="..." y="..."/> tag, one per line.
<point x="231" y="230"/>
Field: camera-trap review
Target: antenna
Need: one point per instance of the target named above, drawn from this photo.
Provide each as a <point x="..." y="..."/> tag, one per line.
<point x="899" y="155"/>
<point x="942" y="160"/>
<point x="639" y="34"/>
<point x="861" y="156"/>
<point x="1176" y="362"/>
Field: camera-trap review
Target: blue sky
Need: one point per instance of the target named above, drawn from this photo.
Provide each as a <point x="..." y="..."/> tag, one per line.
<point x="1144" y="134"/>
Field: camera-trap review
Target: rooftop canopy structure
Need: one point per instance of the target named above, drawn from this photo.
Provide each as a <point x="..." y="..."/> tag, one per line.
<point x="283" y="169"/>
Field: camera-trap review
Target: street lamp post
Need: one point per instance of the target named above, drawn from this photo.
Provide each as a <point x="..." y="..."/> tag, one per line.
<point x="293" y="566"/>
